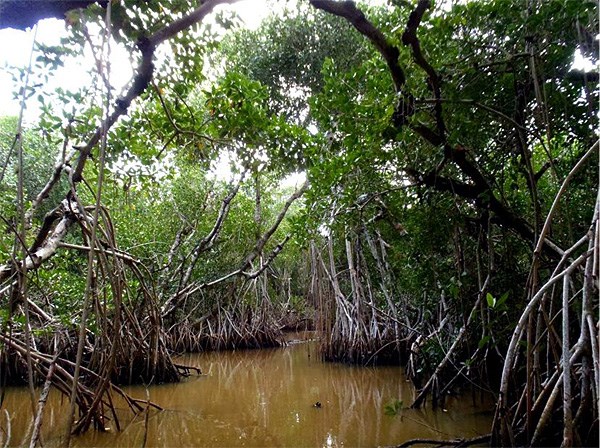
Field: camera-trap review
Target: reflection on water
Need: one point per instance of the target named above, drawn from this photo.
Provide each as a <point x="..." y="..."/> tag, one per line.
<point x="268" y="398"/>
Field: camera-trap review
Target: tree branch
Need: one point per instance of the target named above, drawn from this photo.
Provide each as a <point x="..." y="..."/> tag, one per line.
<point x="186" y="22"/>
<point x="349" y="11"/>
<point x="480" y="192"/>
<point x="145" y="71"/>
<point x="46" y="247"/>
<point x="479" y="440"/>
<point x="270" y="258"/>
<point x="260" y="244"/>
<point x="208" y="241"/>
<point x="409" y="38"/>
<point x="59" y="167"/>
<point x="171" y="305"/>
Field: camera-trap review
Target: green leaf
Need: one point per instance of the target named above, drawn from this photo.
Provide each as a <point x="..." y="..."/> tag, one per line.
<point x="483" y="341"/>
<point x="502" y="299"/>
<point x="491" y="301"/>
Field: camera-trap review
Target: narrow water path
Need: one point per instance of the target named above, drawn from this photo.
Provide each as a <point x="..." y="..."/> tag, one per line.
<point x="281" y="397"/>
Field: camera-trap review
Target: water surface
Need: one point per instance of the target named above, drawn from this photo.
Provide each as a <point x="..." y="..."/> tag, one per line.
<point x="259" y="398"/>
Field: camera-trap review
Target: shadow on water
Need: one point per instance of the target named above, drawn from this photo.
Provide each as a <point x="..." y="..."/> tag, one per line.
<point x="269" y="398"/>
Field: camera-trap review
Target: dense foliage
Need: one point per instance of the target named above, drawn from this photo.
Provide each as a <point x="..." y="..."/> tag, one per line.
<point x="449" y="154"/>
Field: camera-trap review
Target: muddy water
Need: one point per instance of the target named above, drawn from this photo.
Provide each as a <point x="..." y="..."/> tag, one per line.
<point x="267" y="398"/>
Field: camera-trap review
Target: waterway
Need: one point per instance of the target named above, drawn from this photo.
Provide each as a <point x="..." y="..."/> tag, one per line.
<point x="284" y="397"/>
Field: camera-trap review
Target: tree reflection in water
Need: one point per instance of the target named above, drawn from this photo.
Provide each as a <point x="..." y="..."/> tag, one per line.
<point x="267" y="398"/>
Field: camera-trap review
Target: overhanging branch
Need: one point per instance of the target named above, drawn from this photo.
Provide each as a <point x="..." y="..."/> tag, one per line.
<point x="349" y="11"/>
<point x="143" y="75"/>
<point x="45" y="246"/>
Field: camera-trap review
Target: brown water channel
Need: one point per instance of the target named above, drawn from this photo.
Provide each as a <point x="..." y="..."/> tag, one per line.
<point x="267" y="398"/>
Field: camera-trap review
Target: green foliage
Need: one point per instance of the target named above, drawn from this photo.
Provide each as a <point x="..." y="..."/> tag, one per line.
<point x="499" y="304"/>
<point x="307" y="92"/>
<point x="38" y="162"/>
<point x="394" y="408"/>
<point x="287" y="54"/>
<point x="61" y="284"/>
